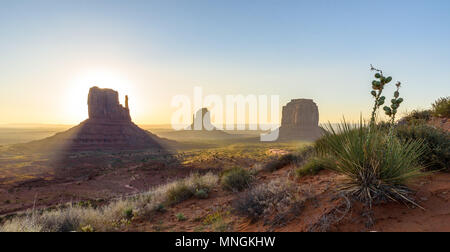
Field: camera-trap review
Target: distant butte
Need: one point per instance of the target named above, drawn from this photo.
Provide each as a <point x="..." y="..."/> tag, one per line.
<point x="300" y="121"/>
<point x="109" y="127"/>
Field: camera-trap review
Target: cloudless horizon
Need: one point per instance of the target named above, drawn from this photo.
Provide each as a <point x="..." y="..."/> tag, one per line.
<point x="52" y="52"/>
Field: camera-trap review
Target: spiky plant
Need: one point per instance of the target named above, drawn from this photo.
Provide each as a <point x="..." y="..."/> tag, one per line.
<point x="376" y="166"/>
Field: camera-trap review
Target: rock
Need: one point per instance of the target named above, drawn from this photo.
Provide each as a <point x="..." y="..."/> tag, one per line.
<point x="201" y="120"/>
<point x="109" y="127"/>
<point x="103" y="104"/>
<point x="300" y="121"/>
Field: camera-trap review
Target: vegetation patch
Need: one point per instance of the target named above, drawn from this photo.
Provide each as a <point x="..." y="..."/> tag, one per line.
<point x="294" y="158"/>
<point x="109" y="217"/>
<point x="417" y="117"/>
<point x="236" y="179"/>
<point x="216" y="221"/>
<point x="180" y="217"/>
<point x="275" y="202"/>
<point x="441" y="107"/>
<point x="313" y="166"/>
<point x="436" y="142"/>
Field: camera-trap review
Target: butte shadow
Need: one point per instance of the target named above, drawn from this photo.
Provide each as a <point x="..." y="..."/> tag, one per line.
<point x="108" y="128"/>
<point x="109" y="131"/>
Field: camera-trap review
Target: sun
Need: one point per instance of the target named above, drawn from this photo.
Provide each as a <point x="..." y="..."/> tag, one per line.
<point x="79" y="86"/>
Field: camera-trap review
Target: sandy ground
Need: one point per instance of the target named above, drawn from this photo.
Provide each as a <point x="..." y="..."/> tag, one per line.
<point x="324" y="212"/>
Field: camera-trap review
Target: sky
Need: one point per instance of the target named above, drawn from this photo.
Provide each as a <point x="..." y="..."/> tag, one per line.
<point x="51" y="52"/>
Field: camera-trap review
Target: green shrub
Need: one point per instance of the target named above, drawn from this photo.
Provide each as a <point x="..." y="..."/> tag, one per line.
<point x="436" y="141"/>
<point x="236" y="179"/>
<point x="417" y="117"/>
<point x="280" y="162"/>
<point x="441" y="107"/>
<point x="201" y="194"/>
<point x="180" y="192"/>
<point x="128" y="213"/>
<point x="313" y="167"/>
<point x="289" y="159"/>
<point x="160" y="208"/>
<point x="180" y="217"/>
<point x="185" y="189"/>
<point x="376" y="165"/>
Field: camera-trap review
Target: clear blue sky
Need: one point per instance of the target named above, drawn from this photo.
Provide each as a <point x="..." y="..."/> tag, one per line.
<point x="296" y="49"/>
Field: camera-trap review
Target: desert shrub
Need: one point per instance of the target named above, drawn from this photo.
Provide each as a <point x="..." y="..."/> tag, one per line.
<point x="236" y="179"/>
<point x="280" y="162"/>
<point x="313" y="166"/>
<point x="441" y="107"/>
<point x="186" y="189"/>
<point x="276" y="198"/>
<point x="417" y="117"/>
<point x="289" y="159"/>
<point x="128" y="213"/>
<point x="180" y="192"/>
<point x="436" y="141"/>
<point x="201" y="194"/>
<point x="377" y="166"/>
<point x="180" y="217"/>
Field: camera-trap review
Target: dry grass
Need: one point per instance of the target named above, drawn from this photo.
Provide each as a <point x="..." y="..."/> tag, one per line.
<point x="109" y="217"/>
<point x="275" y="202"/>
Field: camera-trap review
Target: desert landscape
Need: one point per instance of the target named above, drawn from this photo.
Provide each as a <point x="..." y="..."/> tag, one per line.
<point x="107" y="174"/>
<point x="243" y="118"/>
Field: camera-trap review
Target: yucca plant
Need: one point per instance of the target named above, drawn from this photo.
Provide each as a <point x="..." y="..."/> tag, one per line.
<point x="377" y="167"/>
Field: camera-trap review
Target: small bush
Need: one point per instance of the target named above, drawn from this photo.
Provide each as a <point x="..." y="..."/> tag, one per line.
<point x="128" y="213"/>
<point x="417" y="117"/>
<point x="441" y="107"/>
<point x="201" y="194"/>
<point x="236" y="179"/>
<point x="186" y="189"/>
<point x="180" y="217"/>
<point x="160" y="208"/>
<point x="87" y="229"/>
<point x="288" y="159"/>
<point x="271" y="201"/>
<point x="313" y="167"/>
<point x="280" y="162"/>
<point x="180" y="192"/>
<point x="436" y="141"/>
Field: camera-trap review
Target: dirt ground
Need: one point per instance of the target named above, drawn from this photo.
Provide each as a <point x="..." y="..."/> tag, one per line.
<point x="324" y="212"/>
<point x="42" y="183"/>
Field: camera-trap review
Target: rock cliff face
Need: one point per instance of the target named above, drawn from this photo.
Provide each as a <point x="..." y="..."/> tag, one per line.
<point x="300" y="120"/>
<point x="103" y="104"/>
